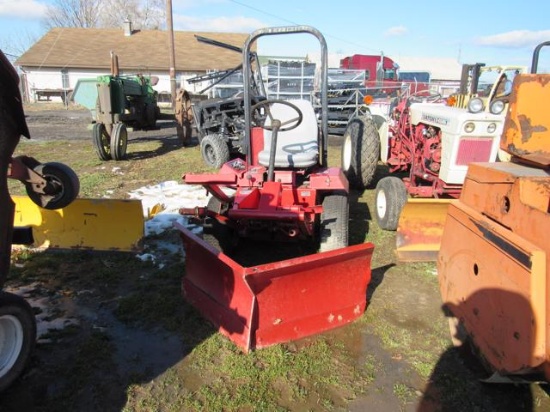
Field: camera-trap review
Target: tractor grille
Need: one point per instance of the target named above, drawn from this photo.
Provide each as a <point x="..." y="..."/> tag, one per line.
<point x="473" y="149"/>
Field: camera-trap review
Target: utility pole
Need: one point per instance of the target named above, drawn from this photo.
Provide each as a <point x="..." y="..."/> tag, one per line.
<point x="170" y="27"/>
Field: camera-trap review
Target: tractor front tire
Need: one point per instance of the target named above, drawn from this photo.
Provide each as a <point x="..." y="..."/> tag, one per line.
<point x="119" y="141"/>
<point x="391" y="196"/>
<point x="360" y="152"/>
<point x="214" y="151"/>
<point x="101" y="141"/>
<point x="334" y="222"/>
<point x="62" y="187"/>
<point x="18" y="332"/>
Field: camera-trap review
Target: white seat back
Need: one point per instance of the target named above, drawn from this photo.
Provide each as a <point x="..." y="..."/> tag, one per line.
<point x="296" y="148"/>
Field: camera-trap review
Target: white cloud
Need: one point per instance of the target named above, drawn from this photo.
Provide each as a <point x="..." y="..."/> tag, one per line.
<point x="221" y="24"/>
<point x="396" y="31"/>
<point x="514" y="39"/>
<point x="22" y="9"/>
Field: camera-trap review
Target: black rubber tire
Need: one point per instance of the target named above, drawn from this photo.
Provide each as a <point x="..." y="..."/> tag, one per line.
<point x="360" y="152"/>
<point x="334" y="221"/>
<point x="18" y="330"/>
<point x="391" y="195"/>
<point x="119" y="141"/>
<point x="214" y="151"/>
<point x="101" y="141"/>
<point x="62" y="188"/>
<point x="151" y="115"/>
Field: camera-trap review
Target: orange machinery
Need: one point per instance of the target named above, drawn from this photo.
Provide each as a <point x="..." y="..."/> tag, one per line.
<point x="494" y="260"/>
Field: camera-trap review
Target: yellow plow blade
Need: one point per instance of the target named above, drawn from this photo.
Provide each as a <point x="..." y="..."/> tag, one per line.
<point x="420" y="228"/>
<point x="98" y="224"/>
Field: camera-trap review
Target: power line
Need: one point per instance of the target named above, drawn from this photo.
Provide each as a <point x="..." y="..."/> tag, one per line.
<point x="297" y="24"/>
<point x="264" y="12"/>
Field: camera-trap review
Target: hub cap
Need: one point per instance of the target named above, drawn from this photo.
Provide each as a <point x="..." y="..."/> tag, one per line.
<point x="11" y="342"/>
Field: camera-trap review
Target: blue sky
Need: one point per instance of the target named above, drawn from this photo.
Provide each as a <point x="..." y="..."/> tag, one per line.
<point x="469" y="31"/>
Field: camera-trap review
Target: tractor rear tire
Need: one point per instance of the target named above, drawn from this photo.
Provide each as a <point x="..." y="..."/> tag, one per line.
<point x="63" y="181"/>
<point x="101" y="141"/>
<point x="119" y="141"/>
<point x="360" y="152"/>
<point x="334" y="222"/>
<point x="214" y="151"/>
<point x="391" y="196"/>
<point x="151" y="115"/>
<point x="18" y="332"/>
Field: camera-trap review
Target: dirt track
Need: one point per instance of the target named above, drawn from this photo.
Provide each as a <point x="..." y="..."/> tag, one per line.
<point x="62" y="124"/>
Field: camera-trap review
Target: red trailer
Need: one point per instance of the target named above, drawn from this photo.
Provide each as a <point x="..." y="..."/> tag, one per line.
<point x="378" y="68"/>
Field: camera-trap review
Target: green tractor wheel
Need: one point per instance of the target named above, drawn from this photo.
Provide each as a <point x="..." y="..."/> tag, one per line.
<point x="101" y="140"/>
<point x="119" y="141"/>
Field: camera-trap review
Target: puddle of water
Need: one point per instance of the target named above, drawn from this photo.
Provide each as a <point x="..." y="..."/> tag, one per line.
<point x="367" y="350"/>
<point x="145" y="353"/>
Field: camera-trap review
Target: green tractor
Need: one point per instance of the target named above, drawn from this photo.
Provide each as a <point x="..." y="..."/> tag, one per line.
<point x="117" y="102"/>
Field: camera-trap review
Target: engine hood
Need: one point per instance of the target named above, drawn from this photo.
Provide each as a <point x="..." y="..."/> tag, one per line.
<point x="448" y="117"/>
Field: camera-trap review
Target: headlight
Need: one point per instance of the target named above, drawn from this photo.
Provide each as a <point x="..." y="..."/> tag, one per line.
<point x="491" y="128"/>
<point x="469" y="127"/>
<point x="497" y="107"/>
<point x="475" y="105"/>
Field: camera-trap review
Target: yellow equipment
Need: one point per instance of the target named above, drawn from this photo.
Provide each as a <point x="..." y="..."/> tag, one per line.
<point x="98" y="224"/>
<point x="420" y="229"/>
<point x="494" y="261"/>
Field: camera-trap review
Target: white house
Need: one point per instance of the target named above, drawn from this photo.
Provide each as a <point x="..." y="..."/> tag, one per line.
<point x="53" y="65"/>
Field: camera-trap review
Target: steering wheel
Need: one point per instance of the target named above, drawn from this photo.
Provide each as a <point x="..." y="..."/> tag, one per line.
<point x="292" y="123"/>
<point x="424" y="96"/>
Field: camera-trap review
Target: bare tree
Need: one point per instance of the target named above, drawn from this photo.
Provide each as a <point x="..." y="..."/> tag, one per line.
<point x="16" y="43"/>
<point x="153" y="14"/>
<point x="73" y="13"/>
<point x="119" y="11"/>
<point x="144" y="14"/>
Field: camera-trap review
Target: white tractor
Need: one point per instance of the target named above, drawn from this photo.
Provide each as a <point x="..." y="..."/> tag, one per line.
<point x="426" y="141"/>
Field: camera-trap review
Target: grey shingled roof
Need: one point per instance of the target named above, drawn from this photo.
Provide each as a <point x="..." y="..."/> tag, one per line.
<point x="146" y="49"/>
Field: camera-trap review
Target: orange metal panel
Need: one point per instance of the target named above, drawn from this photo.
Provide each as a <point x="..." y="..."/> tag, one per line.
<point x="495" y="283"/>
<point x="512" y="194"/>
<point x="494" y="264"/>
<point x="527" y="126"/>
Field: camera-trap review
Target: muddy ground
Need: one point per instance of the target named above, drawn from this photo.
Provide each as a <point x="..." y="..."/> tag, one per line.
<point x="398" y="296"/>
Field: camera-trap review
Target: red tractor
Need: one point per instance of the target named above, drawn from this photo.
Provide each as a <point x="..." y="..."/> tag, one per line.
<point x="283" y="191"/>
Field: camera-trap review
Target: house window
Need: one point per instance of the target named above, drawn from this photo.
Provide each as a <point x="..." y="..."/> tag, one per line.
<point x="65" y="79"/>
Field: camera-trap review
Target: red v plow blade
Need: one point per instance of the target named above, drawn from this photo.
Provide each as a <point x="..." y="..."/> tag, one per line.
<point x="277" y="302"/>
